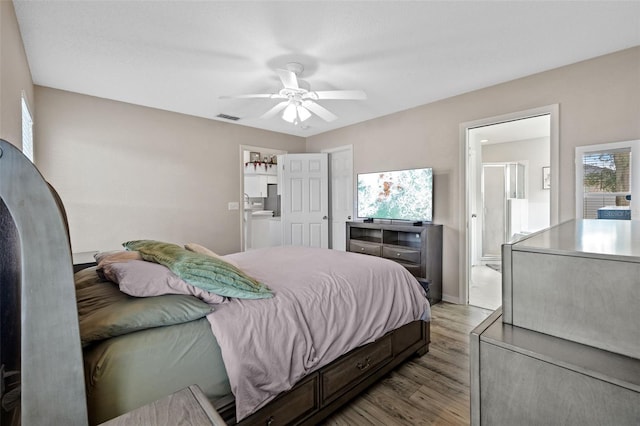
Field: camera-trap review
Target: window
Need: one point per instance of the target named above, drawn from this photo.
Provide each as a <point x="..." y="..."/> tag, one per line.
<point x="604" y="179"/>
<point x="27" y="130"/>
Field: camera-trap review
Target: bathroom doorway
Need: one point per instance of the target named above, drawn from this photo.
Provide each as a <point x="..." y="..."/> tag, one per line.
<point x="506" y="196"/>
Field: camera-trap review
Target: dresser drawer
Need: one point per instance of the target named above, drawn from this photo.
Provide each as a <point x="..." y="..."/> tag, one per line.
<point x="296" y="405"/>
<point x="401" y="254"/>
<point x="360" y="363"/>
<point x="364" y="247"/>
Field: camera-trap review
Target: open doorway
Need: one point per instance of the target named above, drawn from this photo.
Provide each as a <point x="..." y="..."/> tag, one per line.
<point x="260" y="195"/>
<point x="507" y="196"/>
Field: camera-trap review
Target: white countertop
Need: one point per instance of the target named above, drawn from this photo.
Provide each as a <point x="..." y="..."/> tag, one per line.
<point x="262" y="213"/>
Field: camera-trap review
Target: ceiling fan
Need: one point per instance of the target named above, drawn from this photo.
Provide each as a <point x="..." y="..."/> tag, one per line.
<point x="299" y="101"/>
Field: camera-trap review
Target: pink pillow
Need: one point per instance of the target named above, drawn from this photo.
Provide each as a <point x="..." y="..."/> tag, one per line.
<point x="104" y="258"/>
<point x="142" y="279"/>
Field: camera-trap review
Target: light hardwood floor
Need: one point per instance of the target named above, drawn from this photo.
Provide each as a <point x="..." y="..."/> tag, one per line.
<point x="428" y="390"/>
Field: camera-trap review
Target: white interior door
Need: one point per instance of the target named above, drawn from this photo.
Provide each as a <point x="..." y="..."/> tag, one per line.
<point x="493" y="207"/>
<point x="305" y="200"/>
<point x="341" y="194"/>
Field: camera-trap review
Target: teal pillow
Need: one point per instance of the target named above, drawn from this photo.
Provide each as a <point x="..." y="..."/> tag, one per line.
<point x="104" y="311"/>
<point x="202" y="271"/>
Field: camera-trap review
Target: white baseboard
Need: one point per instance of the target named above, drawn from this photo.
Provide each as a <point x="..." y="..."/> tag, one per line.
<point x="452" y="299"/>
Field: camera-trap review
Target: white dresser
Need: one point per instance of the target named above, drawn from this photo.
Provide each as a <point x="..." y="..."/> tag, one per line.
<point x="565" y="346"/>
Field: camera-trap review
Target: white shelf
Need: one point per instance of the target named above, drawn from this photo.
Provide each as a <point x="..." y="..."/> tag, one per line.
<point x="261" y="169"/>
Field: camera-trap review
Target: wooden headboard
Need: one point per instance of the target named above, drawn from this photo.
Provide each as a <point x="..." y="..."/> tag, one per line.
<point x="36" y="271"/>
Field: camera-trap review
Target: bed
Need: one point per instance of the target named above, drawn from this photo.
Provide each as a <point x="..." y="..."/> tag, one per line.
<point x="342" y="321"/>
<point x="138" y="349"/>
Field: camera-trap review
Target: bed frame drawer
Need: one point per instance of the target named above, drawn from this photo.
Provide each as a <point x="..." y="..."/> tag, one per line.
<point x="292" y="407"/>
<point x="353" y="366"/>
<point x="365" y="248"/>
<point x="326" y="390"/>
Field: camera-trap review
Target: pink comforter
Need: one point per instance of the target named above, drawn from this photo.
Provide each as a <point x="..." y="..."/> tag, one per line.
<point x="326" y="303"/>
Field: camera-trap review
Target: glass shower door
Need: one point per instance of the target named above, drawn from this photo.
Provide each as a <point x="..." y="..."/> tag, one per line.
<point x="493" y="210"/>
<point x="502" y="183"/>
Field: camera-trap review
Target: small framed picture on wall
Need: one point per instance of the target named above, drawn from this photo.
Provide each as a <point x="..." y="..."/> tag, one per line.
<point x="546" y="177"/>
<point x="254" y="157"/>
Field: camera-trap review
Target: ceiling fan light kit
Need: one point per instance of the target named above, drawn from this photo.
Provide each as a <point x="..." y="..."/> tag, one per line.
<point x="295" y="113"/>
<point x="290" y="114"/>
<point x="298" y="103"/>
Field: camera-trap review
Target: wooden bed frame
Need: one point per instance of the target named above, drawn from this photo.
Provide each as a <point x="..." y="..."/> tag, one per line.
<point x="312" y="399"/>
<point x="324" y="391"/>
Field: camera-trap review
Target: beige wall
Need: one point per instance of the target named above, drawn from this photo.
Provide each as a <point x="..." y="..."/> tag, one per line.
<point x="130" y="172"/>
<point x="599" y="102"/>
<point x="14" y="76"/>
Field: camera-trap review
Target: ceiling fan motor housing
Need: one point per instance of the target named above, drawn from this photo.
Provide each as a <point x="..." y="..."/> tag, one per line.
<point x="295" y="68"/>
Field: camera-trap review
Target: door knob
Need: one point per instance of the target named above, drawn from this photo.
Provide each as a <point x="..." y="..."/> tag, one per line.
<point x="324" y="217"/>
<point x="348" y="217"/>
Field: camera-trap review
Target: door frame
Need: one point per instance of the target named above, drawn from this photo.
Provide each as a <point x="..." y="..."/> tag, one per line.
<point x="553" y="111"/>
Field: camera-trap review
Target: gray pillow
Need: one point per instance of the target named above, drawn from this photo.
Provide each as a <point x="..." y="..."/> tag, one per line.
<point x="104" y="311"/>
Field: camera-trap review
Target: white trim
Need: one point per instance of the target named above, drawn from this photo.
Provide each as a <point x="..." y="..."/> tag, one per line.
<point x="451" y="299"/>
<point x="24" y="105"/>
<point x="554" y="112"/>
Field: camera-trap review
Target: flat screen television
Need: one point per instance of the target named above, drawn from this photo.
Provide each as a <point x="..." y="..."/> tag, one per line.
<point x="397" y="195"/>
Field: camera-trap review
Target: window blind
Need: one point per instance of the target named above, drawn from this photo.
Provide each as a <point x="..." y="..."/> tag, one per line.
<point x="606" y="180"/>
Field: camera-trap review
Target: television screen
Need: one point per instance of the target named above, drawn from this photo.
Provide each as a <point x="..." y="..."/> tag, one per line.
<point x="399" y="194"/>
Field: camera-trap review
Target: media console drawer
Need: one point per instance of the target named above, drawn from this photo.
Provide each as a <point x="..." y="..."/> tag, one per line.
<point x="414" y="268"/>
<point x="401" y="254"/>
<point x="365" y="248"/>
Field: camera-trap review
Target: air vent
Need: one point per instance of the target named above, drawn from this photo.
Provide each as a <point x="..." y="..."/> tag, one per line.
<point x="228" y="117"/>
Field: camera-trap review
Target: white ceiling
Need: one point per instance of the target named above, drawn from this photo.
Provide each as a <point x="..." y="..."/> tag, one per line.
<point x="183" y="55"/>
<point x="512" y="131"/>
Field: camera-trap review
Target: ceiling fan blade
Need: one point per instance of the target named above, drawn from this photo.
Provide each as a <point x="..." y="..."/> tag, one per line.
<point x="276" y="109"/>
<point x="288" y="78"/>
<point x="256" y="95"/>
<point x="319" y="110"/>
<point x="337" y="94"/>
